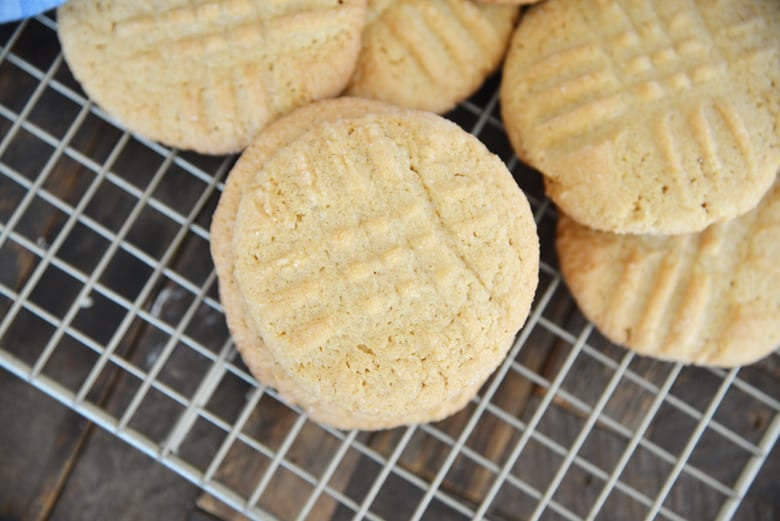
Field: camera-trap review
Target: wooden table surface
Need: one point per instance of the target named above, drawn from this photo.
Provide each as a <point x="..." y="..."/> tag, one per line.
<point x="56" y="465"/>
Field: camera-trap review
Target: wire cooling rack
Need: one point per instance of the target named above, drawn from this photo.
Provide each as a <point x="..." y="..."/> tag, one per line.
<point x="108" y="303"/>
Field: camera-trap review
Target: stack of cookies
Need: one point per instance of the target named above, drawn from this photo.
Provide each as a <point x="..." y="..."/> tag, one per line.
<point x="656" y="125"/>
<point x="375" y="263"/>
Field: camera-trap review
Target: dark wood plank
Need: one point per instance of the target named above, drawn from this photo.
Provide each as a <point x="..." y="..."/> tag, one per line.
<point x="147" y="483"/>
<point x="41" y="439"/>
<point x="35" y="446"/>
<point x="286" y="493"/>
<point x="763" y="500"/>
<point x="112" y="480"/>
<point x="669" y="430"/>
<point x="49" y="460"/>
<point x="218" y="509"/>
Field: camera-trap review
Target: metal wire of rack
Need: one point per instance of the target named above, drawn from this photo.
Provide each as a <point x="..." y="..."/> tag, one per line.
<point x="108" y="236"/>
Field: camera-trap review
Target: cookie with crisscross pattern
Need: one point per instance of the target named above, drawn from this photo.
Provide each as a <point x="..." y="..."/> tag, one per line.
<point x="653" y="116"/>
<point x="385" y="274"/>
<point x="429" y="54"/>
<point x="207" y="75"/>
<point x="709" y="298"/>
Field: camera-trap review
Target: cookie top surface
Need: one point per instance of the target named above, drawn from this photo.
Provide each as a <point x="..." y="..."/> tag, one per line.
<point x="253" y="350"/>
<point x="707" y="298"/>
<point x="392" y="270"/>
<point x="647" y="117"/>
<point x="207" y="75"/>
<point x="429" y="54"/>
<point x="276" y="136"/>
<point x="508" y="2"/>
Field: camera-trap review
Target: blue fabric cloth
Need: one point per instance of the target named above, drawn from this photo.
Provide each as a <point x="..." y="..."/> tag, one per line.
<point x="17" y="9"/>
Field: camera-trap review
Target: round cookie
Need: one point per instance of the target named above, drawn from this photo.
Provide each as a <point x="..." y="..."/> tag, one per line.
<point x="208" y="76"/>
<point x="429" y="54"/>
<point x="392" y="271"/>
<point x="711" y="298"/>
<point x="276" y="136"/>
<point x="647" y="117"/>
<point x="248" y="341"/>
